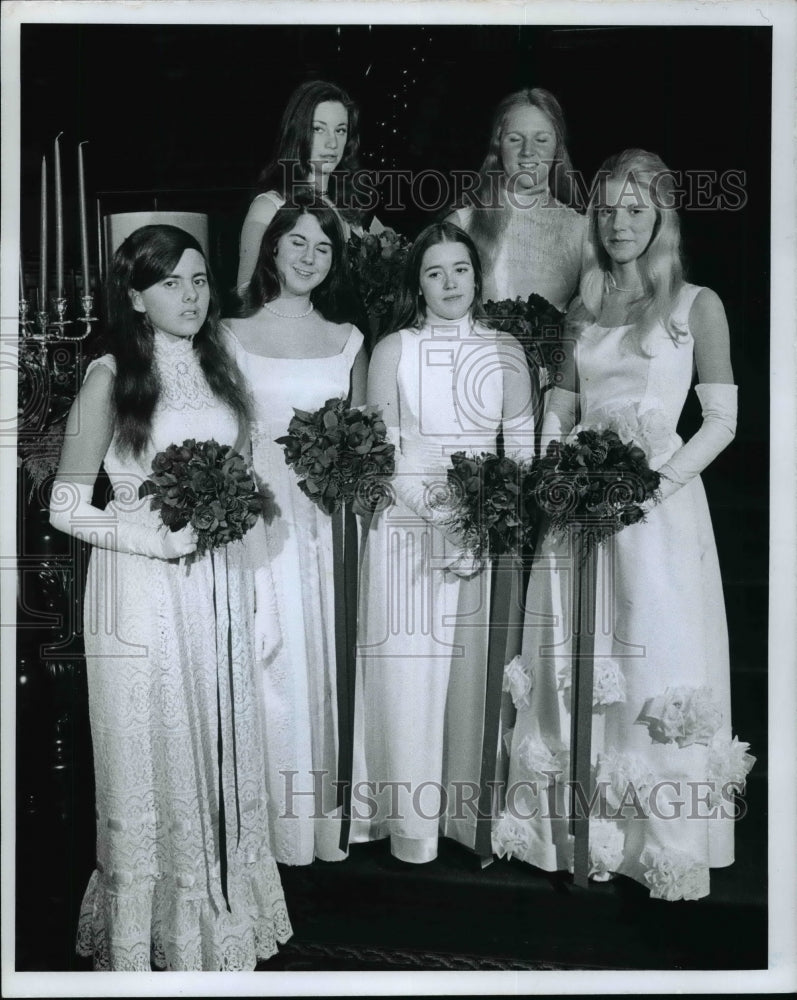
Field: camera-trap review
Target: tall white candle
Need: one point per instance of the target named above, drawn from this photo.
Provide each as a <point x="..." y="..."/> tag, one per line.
<point x="59" y="223"/>
<point x="43" y="239"/>
<point x="84" y="229"/>
<point x="100" y="258"/>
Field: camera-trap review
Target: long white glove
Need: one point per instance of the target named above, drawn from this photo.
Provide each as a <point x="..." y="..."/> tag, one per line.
<point x="268" y="634"/>
<point x="719" y="402"/>
<point x="414" y="492"/>
<point x="71" y="511"/>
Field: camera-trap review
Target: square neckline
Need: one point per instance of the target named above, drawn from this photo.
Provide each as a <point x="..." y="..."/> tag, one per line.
<point x="271" y="357"/>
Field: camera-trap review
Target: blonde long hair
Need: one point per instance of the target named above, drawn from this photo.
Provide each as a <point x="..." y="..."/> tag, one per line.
<point x="660" y="266"/>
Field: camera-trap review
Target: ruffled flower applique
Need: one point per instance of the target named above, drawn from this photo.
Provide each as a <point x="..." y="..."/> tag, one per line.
<point x="682" y="715"/>
<point x="542" y="762"/>
<point x="729" y="763"/>
<point x="674" y="875"/>
<point x="510" y="837"/>
<point x="650" y="430"/>
<point x="518" y="681"/>
<point x="626" y="782"/>
<point x="606" y="844"/>
<point x="608" y="684"/>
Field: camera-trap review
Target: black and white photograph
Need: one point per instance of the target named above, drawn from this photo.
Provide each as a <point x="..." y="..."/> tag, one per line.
<point x="398" y="463"/>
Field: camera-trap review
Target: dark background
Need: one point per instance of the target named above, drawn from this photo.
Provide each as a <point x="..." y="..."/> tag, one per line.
<point x="183" y="110"/>
<point x="184" y="117"/>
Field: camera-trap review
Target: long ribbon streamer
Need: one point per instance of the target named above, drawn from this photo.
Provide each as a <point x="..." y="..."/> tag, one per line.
<point x="345" y="571"/>
<point x="223" y="862"/>
<point x="505" y="636"/>
<point x="539" y="384"/>
<point x="584" y="588"/>
<point x="232" y="705"/>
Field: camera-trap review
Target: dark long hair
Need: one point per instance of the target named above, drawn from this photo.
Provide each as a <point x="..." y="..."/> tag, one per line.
<point x="289" y="166"/>
<point x="333" y="297"/>
<point x="487" y="224"/>
<point x="409" y="311"/>
<point x="147" y="256"/>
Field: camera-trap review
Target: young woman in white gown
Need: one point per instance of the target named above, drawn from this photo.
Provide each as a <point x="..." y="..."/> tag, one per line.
<point x="317" y="148"/>
<point x="177" y="725"/>
<point x="445" y="383"/>
<point x="296" y="354"/>
<point x="663" y="754"/>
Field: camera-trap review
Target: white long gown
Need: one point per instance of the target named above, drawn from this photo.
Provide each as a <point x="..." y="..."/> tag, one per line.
<point x="422" y="639"/>
<point x="299" y="679"/>
<point x="156" y="662"/>
<point x="661" y="705"/>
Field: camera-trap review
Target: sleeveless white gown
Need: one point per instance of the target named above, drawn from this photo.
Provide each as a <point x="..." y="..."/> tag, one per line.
<point x="422" y="639"/>
<point x="299" y="679"/>
<point x="661" y="637"/>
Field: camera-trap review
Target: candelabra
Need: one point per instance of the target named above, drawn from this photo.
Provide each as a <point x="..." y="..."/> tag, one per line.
<point x="42" y="331"/>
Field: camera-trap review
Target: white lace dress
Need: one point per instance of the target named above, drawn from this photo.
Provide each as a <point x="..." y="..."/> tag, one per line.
<point x="161" y="695"/>
<point x="299" y="679"/>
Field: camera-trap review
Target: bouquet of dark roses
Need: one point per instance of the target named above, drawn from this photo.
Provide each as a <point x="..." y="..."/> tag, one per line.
<point x="376" y="262"/>
<point x="536" y="324"/>
<point x="488" y="503"/>
<point x="209" y="486"/>
<point x="338" y="452"/>
<point x="593" y="480"/>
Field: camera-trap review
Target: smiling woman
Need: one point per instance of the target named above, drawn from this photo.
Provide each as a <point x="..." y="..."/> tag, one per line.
<point x="304" y="255"/>
<point x="296" y="354"/>
<point x="529" y="240"/>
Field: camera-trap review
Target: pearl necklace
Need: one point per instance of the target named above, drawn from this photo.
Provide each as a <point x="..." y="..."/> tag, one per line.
<point x="271" y="309"/>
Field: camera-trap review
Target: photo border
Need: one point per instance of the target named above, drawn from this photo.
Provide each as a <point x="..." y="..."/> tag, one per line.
<point x="782" y="16"/>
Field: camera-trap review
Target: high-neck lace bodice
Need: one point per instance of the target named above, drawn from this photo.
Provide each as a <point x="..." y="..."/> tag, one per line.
<point x="186" y="408"/>
<point x="539" y="252"/>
